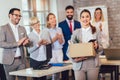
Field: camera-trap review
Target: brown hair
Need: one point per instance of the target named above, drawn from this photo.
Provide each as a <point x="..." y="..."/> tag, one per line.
<point x="48" y="24"/>
<point x="92" y="27"/>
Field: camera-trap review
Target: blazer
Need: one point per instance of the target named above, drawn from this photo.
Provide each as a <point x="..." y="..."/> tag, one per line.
<point x="78" y="34"/>
<point x="9" y="44"/>
<point x="67" y="34"/>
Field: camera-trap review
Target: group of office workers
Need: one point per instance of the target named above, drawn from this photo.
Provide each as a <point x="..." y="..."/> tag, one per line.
<point x="13" y="39"/>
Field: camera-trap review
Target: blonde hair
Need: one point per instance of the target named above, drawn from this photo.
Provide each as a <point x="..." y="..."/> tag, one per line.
<point x="101" y="18"/>
<point x="34" y="20"/>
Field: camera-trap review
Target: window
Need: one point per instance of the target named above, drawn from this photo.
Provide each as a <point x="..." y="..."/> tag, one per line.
<point x="39" y="8"/>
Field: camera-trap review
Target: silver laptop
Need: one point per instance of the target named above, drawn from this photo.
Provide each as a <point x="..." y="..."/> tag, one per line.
<point x="112" y="54"/>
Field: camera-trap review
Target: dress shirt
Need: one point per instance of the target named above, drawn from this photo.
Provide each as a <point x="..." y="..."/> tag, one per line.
<point x="53" y="32"/>
<point x="16" y="35"/>
<point x="87" y="34"/>
<point x="72" y="22"/>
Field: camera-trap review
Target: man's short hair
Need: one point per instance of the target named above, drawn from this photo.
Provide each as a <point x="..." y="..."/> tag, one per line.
<point x="69" y="7"/>
<point x="13" y="9"/>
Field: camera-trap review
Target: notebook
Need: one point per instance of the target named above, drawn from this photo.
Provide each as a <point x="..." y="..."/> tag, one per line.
<point x="112" y="54"/>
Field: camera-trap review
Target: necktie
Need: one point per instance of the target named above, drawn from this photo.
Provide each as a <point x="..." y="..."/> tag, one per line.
<point x="70" y="22"/>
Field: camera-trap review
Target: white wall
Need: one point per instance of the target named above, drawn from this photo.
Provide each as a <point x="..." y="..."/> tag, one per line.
<point x="5" y="6"/>
<point x="61" y="5"/>
<point x="53" y="8"/>
<point x="57" y="7"/>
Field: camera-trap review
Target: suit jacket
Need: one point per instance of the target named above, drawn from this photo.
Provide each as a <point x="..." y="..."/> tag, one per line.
<point x="67" y="34"/>
<point x="9" y="44"/>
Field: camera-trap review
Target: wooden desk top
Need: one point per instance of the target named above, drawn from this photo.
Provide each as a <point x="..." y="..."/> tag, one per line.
<point x="38" y="73"/>
<point x="104" y="61"/>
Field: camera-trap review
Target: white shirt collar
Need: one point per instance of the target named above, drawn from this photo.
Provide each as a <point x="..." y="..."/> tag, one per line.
<point x="69" y="20"/>
<point x="86" y="29"/>
<point x="12" y="25"/>
<point x="35" y="32"/>
<point x="53" y="28"/>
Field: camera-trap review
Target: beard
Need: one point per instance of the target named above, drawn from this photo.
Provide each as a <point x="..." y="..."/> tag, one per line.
<point x="69" y="17"/>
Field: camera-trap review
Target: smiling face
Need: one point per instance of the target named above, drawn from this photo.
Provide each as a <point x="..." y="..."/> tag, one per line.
<point x="69" y="14"/>
<point x="36" y="26"/>
<point x="35" y="23"/>
<point x="98" y="15"/>
<point x="85" y="19"/>
<point x="52" y="21"/>
<point x="15" y="17"/>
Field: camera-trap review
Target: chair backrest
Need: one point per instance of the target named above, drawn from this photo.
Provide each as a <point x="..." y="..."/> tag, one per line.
<point x="49" y="51"/>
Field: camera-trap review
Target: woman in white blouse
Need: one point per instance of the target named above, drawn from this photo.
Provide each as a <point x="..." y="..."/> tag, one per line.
<point x="57" y="42"/>
<point x="38" y="38"/>
<point x="86" y="68"/>
<point x="101" y="26"/>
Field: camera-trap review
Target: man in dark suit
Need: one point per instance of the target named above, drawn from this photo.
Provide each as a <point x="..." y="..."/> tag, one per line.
<point x="68" y="26"/>
<point x="13" y="38"/>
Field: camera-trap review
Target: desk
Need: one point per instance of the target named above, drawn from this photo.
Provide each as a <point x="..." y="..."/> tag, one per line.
<point x="104" y="61"/>
<point x="40" y="73"/>
<point x="52" y="70"/>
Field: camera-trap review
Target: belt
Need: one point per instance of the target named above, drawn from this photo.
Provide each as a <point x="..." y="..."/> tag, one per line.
<point x="19" y="57"/>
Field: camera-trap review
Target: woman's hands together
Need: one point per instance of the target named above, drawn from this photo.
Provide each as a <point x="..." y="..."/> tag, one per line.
<point x="78" y="59"/>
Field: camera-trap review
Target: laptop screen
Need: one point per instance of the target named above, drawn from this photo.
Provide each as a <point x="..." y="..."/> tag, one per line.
<point x="112" y="54"/>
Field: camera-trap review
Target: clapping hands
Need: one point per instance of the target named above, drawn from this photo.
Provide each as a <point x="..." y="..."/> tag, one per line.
<point x="43" y="42"/>
<point x="23" y="41"/>
<point x="100" y="27"/>
<point x="58" y="37"/>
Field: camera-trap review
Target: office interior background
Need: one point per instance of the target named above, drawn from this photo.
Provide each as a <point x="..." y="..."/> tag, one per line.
<point x="41" y="8"/>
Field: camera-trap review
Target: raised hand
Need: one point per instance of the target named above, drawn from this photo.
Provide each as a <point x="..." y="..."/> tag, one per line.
<point x="95" y="44"/>
<point x="43" y="42"/>
<point x="100" y="26"/>
<point x="26" y="41"/>
<point x="60" y="38"/>
<point x="20" y="42"/>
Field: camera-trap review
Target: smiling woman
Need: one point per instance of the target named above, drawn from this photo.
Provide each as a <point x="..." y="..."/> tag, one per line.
<point x="37" y="50"/>
<point x="99" y="19"/>
<point x="87" y="67"/>
<point x="37" y="8"/>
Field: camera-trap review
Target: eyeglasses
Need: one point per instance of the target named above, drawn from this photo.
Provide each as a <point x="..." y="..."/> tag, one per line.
<point x="36" y="23"/>
<point x="17" y="15"/>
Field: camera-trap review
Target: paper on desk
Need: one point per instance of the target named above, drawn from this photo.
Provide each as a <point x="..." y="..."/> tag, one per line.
<point x="29" y="70"/>
<point x="102" y="56"/>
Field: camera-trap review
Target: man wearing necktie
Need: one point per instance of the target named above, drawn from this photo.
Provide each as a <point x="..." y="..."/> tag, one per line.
<point x="68" y="26"/>
<point x="71" y="29"/>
